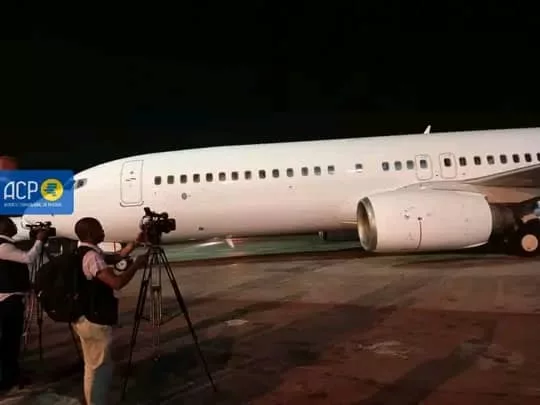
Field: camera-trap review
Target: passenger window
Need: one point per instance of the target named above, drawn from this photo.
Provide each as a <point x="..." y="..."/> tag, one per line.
<point x="477" y="160"/>
<point x="183" y="178"/>
<point x="410" y="164"/>
<point x="275" y="173"/>
<point x="447" y="162"/>
<point x="331" y="169"/>
<point x="262" y="174"/>
<point x="209" y="177"/>
<point x="247" y="175"/>
<point x="196" y="178"/>
<point x="463" y="161"/>
<point x="397" y="165"/>
<point x="290" y="172"/>
<point x="305" y="171"/>
<point x="490" y="159"/>
<point x="222" y="176"/>
<point x="423" y="163"/>
<point x="528" y="157"/>
<point x="170" y="179"/>
<point x="234" y="176"/>
<point x="385" y="166"/>
<point x="515" y="157"/>
<point x="503" y="159"/>
<point x="157" y="180"/>
<point x="78" y="184"/>
<point x="317" y="170"/>
<point x="538" y="157"/>
<point x="358" y="167"/>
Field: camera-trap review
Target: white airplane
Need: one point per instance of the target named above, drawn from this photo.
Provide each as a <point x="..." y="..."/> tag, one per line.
<point x="419" y="192"/>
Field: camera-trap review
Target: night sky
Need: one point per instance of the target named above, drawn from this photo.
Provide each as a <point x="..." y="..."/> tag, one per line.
<point x="82" y="86"/>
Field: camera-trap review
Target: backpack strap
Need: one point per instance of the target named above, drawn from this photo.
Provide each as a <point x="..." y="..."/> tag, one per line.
<point x="81" y="251"/>
<point x="90" y="285"/>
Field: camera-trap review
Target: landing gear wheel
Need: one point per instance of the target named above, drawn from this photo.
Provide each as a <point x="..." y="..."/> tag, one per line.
<point x="526" y="241"/>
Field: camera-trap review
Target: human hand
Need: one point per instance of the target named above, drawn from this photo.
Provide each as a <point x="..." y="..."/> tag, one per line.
<point x="41" y="236"/>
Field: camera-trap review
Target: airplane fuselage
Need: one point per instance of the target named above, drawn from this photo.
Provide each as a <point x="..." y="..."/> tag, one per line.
<point x="281" y="188"/>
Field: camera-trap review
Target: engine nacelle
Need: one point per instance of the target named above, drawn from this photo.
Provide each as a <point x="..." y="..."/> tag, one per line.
<point x="427" y="220"/>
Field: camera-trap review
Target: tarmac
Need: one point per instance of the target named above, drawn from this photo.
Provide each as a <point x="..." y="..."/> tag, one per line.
<point x="331" y="325"/>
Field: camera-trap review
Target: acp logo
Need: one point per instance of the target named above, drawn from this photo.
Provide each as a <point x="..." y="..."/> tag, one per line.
<point x="51" y="190"/>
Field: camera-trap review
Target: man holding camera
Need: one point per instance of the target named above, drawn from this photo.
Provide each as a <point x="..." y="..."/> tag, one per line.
<point x="95" y="327"/>
<point x="14" y="285"/>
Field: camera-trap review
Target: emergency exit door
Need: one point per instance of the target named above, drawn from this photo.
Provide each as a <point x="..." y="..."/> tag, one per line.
<point x="448" y="165"/>
<point x="131" y="183"/>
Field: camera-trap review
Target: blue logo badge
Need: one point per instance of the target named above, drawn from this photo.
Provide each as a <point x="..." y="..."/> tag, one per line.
<point x="36" y="192"/>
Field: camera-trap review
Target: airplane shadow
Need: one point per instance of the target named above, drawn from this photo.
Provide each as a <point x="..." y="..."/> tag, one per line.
<point x="247" y="364"/>
<point x="275" y="351"/>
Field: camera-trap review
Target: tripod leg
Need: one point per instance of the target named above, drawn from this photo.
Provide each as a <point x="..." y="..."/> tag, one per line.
<point x="39" y="314"/>
<point x="136" y="323"/>
<point x="28" y="313"/>
<point x="156" y="306"/>
<point x="184" y="309"/>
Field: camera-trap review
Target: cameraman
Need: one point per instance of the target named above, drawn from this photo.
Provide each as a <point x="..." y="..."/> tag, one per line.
<point x="95" y="327"/>
<point x="14" y="284"/>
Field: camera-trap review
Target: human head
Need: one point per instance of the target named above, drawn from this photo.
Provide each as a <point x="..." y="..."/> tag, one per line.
<point x="7" y="226"/>
<point x="89" y="230"/>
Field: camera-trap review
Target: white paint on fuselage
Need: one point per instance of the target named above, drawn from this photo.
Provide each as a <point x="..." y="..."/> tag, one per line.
<point x="286" y="204"/>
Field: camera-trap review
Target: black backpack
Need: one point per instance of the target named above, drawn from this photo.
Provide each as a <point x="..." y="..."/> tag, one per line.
<point x="62" y="288"/>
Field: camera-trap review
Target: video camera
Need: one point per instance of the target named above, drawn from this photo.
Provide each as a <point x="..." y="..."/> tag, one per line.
<point x="153" y="225"/>
<point x="37" y="227"/>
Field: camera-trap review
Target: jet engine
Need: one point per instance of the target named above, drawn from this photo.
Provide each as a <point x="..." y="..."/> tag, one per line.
<point x="423" y="220"/>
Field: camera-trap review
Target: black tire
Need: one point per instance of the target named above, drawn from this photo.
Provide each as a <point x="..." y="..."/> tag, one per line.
<point x="526" y="241"/>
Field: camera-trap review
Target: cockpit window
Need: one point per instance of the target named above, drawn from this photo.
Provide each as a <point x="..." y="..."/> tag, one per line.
<point x="79" y="183"/>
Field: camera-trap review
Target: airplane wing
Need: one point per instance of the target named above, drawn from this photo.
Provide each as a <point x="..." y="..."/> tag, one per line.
<point x="527" y="177"/>
<point x="513" y="186"/>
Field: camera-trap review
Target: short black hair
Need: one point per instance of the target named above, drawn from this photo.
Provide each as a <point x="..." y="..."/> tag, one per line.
<point x="84" y="228"/>
<point x="6" y="223"/>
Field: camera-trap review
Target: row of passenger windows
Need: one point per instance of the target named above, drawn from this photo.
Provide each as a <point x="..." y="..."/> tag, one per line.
<point x="248" y="174"/>
<point x="490" y="159"/>
<point x="318" y="171"/>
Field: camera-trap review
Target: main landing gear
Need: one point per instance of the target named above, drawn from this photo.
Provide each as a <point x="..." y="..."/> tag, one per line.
<point x="525" y="241"/>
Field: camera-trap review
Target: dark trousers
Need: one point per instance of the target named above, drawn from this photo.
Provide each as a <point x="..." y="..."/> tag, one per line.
<point x="11" y="329"/>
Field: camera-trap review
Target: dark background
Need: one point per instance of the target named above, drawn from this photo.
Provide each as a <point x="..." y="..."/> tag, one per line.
<point x="81" y="86"/>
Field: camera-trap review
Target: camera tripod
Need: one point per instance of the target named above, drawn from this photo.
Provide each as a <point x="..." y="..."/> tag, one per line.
<point x="157" y="257"/>
<point x="33" y="302"/>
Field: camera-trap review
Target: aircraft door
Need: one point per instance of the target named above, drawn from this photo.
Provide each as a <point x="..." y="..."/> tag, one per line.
<point x="424" y="170"/>
<point x="131" y="183"/>
<point x="448" y="165"/>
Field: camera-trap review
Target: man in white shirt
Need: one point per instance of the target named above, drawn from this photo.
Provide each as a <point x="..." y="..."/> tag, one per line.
<point x="95" y="327"/>
<point x="14" y="285"/>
